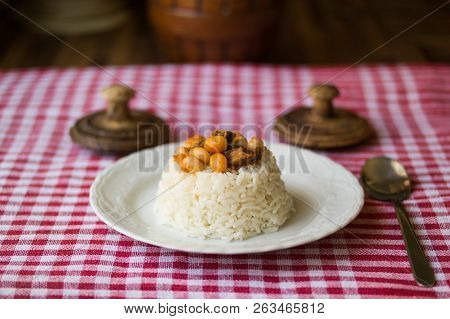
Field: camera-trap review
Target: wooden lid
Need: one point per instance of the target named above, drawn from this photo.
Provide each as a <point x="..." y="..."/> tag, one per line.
<point x="322" y="126"/>
<point x="119" y="129"/>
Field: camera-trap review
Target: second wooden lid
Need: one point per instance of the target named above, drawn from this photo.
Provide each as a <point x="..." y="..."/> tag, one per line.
<point x="322" y="126"/>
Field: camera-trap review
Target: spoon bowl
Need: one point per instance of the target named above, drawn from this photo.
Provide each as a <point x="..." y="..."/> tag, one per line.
<point x="385" y="179"/>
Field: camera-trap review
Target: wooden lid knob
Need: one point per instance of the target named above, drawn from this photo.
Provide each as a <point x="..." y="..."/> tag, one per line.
<point x="322" y="95"/>
<point x="118" y="97"/>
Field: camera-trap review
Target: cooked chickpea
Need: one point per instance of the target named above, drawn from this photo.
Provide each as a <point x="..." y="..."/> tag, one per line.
<point x="218" y="162"/>
<point x="239" y="141"/>
<point x="182" y="150"/>
<point x="255" y="144"/>
<point x="237" y="157"/>
<point x="192" y="164"/>
<point x="216" y="144"/>
<point x="193" y="141"/>
<point x="237" y="133"/>
<point x="201" y="154"/>
<point x="179" y="158"/>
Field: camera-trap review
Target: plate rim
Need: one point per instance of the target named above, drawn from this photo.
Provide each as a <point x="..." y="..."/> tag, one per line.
<point x="236" y="250"/>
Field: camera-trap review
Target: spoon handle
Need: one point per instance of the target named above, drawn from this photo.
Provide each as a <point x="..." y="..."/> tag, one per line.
<point x="422" y="271"/>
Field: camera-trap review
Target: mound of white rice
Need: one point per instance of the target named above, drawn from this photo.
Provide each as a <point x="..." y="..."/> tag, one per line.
<point x="228" y="205"/>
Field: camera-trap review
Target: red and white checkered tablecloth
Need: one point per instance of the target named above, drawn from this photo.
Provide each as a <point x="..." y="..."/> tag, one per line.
<point x="52" y="244"/>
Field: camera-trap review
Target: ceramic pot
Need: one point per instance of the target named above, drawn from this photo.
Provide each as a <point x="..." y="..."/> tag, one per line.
<point x="214" y="30"/>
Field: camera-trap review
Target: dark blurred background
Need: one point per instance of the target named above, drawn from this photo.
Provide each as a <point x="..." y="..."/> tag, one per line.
<point x="117" y="32"/>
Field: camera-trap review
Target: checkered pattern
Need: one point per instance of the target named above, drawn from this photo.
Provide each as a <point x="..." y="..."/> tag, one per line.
<point x="52" y="244"/>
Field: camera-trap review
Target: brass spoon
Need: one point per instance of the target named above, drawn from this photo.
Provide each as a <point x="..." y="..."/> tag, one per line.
<point x="386" y="179"/>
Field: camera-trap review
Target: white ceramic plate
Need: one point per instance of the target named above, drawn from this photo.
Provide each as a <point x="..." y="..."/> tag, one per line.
<point x="327" y="198"/>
